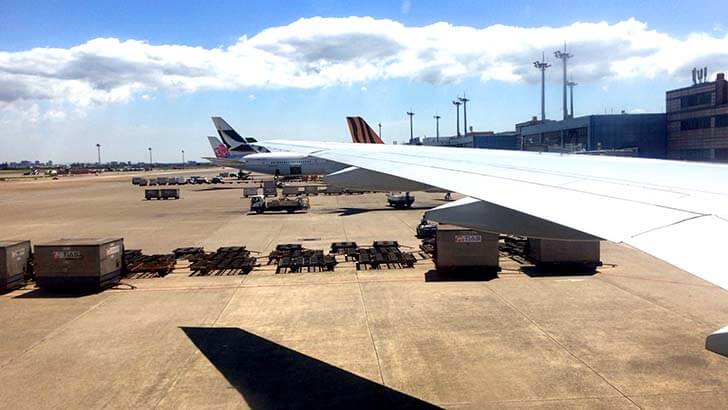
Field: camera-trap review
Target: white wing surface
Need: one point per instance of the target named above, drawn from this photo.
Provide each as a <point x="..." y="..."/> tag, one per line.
<point x="676" y="211"/>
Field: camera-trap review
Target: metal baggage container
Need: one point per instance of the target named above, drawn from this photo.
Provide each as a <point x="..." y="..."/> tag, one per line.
<point x="462" y="248"/>
<point x="14" y="257"/>
<point x="79" y="263"/>
<point x="555" y="252"/>
<point x="270" y="191"/>
<point x="250" y="191"/>
<point x="169" y="193"/>
<point x="151" y="194"/>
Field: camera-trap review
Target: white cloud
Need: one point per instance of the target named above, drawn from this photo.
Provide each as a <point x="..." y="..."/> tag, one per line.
<point x="321" y="52"/>
<point x="251" y="97"/>
<point x="55" y="115"/>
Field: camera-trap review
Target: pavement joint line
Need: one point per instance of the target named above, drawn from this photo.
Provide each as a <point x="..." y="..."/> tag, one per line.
<point x="654" y="303"/>
<point x="53" y="332"/>
<point x="697" y="285"/>
<point x="555" y="399"/>
<point x="268" y="285"/>
<point x="678" y="393"/>
<point x="196" y="351"/>
<point x="554" y="340"/>
<point x="369" y="330"/>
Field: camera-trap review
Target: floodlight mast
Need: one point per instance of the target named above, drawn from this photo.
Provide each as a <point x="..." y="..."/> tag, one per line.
<point x="411" y="114"/>
<point x="437" y="127"/>
<point x="542" y="66"/>
<point x="564" y="57"/>
<point x="457" y="103"/>
<point x="571" y="85"/>
<point x="465" y="112"/>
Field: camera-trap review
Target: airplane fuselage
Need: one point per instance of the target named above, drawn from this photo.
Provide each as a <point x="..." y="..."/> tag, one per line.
<point x="287" y="164"/>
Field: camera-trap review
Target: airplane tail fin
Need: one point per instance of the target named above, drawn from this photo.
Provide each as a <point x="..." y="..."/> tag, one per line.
<point x="230" y="137"/>
<point x="220" y="150"/>
<point x="361" y="132"/>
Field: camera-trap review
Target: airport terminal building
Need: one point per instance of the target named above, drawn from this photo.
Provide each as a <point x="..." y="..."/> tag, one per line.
<point x="697" y="121"/>
<point x="477" y="139"/>
<point x="639" y="134"/>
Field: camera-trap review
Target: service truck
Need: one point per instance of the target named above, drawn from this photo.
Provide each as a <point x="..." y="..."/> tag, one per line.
<point x="260" y="204"/>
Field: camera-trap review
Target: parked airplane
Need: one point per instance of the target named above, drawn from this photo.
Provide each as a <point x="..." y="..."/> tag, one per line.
<point x="362" y="133"/>
<point x="234" y="141"/>
<point x="657" y="206"/>
<point x="238" y="153"/>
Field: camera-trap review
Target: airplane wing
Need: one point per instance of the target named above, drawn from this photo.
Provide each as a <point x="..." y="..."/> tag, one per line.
<point x="676" y="211"/>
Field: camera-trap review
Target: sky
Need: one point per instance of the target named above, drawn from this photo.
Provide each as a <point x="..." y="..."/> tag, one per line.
<point x="137" y="74"/>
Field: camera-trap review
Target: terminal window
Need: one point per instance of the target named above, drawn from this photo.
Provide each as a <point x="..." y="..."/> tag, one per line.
<point x="695" y="123"/>
<point x="721" y="120"/>
<point x="696" y="99"/>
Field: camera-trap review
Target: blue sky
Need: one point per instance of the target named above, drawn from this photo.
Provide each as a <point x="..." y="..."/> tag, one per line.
<point x="62" y="107"/>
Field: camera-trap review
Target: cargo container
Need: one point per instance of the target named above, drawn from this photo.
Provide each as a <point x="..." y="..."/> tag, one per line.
<point x="169" y="193"/>
<point x="151" y="194"/>
<point x="79" y="263"/>
<point x="458" y="248"/>
<point x="162" y="180"/>
<point x="270" y="191"/>
<point x="14" y="257"/>
<point x="250" y="191"/>
<point x="555" y="253"/>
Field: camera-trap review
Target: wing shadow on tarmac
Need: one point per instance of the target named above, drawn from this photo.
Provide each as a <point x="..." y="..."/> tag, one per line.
<point x="357" y="211"/>
<point x="475" y="275"/>
<point x="269" y="375"/>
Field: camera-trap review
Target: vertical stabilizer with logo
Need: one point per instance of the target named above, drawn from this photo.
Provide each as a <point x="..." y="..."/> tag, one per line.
<point x="234" y="142"/>
<point x="361" y="132"/>
<point x="220" y="150"/>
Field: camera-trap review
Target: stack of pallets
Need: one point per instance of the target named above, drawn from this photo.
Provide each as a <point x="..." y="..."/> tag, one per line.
<point x="227" y="260"/>
<point x="138" y="265"/>
<point x="384" y="254"/>
<point x="188" y="252"/>
<point x="349" y="250"/>
<point x="293" y="258"/>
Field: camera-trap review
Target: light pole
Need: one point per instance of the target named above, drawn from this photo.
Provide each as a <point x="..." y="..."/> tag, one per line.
<point x="542" y="65"/>
<point x="411" y="114"/>
<point x="150" y="157"/>
<point x="437" y="127"/>
<point x="98" y="149"/>
<point x="465" y="113"/>
<point x="183" y="159"/>
<point x="380" y="129"/>
<point x="457" y="106"/>
<point x="564" y="57"/>
<point x="571" y="85"/>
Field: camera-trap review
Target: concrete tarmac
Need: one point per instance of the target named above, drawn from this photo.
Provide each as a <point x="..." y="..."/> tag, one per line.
<point x="630" y="336"/>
